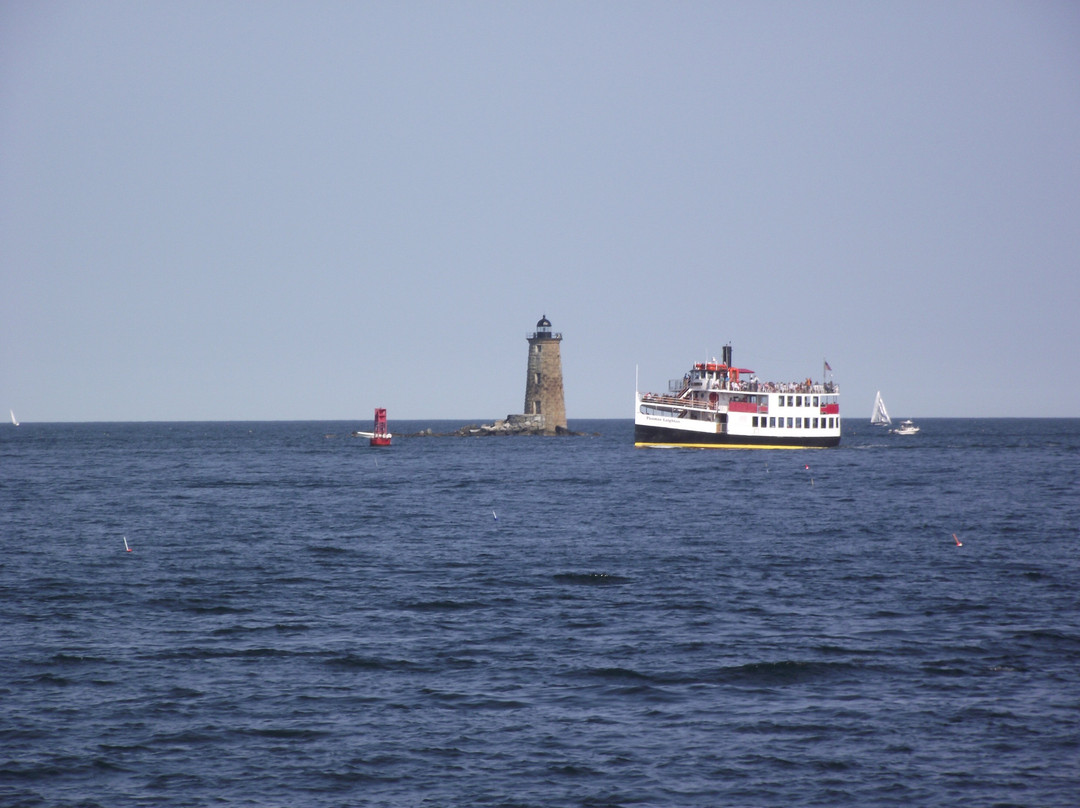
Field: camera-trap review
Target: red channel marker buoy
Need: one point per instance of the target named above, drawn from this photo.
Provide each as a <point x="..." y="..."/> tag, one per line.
<point x="958" y="542"/>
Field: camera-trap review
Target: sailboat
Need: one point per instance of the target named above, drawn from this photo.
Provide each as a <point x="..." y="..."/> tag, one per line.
<point x="14" y="420"/>
<point x="880" y="416"/>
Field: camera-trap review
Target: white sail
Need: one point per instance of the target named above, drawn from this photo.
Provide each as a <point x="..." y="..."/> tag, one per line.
<point x="14" y="420"/>
<point x="880" y="416"/>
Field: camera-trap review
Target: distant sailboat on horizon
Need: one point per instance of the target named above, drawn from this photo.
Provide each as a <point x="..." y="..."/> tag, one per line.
<point x="880" y="416"/>
<point x="14" y="420"/>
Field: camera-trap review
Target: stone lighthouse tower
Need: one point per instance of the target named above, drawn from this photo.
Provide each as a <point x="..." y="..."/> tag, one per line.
<point x="543" y="387"/>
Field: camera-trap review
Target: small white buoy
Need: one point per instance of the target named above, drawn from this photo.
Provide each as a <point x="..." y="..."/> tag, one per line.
<point x="126" y="545"/>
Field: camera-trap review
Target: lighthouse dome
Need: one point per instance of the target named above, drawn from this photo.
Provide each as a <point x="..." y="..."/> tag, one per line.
<point x="543" y="322"/>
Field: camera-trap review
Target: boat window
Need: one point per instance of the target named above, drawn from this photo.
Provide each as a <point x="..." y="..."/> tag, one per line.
<point x="798" y="423"/>
<point x="815" y="401"/>
<point x="790" y="399"/>
<point x="798" y="401"/>
<point x="789" y="420"/>
<point x="772" y="421"/>
<point x="815" y="423"/>
<point x="753" y="422"/>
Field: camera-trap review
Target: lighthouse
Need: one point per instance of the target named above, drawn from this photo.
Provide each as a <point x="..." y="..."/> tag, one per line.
<point x="543" y="386"/>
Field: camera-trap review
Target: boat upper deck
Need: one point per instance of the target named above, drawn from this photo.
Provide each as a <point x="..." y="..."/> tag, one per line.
<point x="722" y="386"/>
<point x="823" y="396"/>
<point x="680" y="387"/>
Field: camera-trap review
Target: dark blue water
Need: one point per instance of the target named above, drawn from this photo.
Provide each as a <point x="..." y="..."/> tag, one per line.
<point x="308" y="621"/>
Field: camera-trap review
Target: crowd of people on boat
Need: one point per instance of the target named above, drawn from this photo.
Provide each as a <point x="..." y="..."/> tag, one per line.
<point x="750" y="386"/>
<point x="753" y="385"/>
<point x="807" y="386"/>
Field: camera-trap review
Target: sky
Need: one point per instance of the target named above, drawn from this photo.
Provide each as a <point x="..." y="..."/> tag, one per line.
<point x="289" y="211"/>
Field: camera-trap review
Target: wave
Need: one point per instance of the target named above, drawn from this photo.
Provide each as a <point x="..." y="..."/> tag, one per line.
<point x="199" y="653"/>
<point x="200" y="607"/>
<point x="444" y="605"/>
<point x="276" y="628"/>
<point x="782" y="672"/>
<point x="370" y="663"/>
<point x="590" y="578"/>
<point x="474" y="701"/>
<point x="286" y="733"/>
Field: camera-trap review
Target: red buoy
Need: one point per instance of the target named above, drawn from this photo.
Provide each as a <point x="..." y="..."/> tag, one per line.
<point x="380" y="437"/>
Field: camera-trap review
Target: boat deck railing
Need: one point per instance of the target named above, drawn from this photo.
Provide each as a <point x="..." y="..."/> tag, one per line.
<point x="675" y="401"/>
<point x="679" y="387"/>
<point x="792" y="387"/>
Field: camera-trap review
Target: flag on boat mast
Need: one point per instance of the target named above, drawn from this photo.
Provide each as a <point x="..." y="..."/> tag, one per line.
<point x="828" y="367"/>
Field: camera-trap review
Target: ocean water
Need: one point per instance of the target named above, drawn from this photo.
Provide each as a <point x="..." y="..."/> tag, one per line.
<point x="307" y="621"/>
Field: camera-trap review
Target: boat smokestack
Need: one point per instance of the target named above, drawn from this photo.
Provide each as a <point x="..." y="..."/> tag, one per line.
<point x="727" y="355"/>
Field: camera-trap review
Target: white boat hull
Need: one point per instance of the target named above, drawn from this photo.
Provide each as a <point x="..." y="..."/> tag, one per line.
<point x="905" y="430"/>
<point x="807" y="426"/>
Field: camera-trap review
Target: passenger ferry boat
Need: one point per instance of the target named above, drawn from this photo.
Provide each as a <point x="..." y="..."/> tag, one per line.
<point x="718" y="405"/>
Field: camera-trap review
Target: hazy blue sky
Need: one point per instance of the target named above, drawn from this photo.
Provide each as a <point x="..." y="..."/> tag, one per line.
<point x="237" y="210"/>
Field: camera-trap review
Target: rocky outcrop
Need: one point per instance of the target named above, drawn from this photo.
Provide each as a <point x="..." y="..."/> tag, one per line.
<point x="511" y="425"/>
